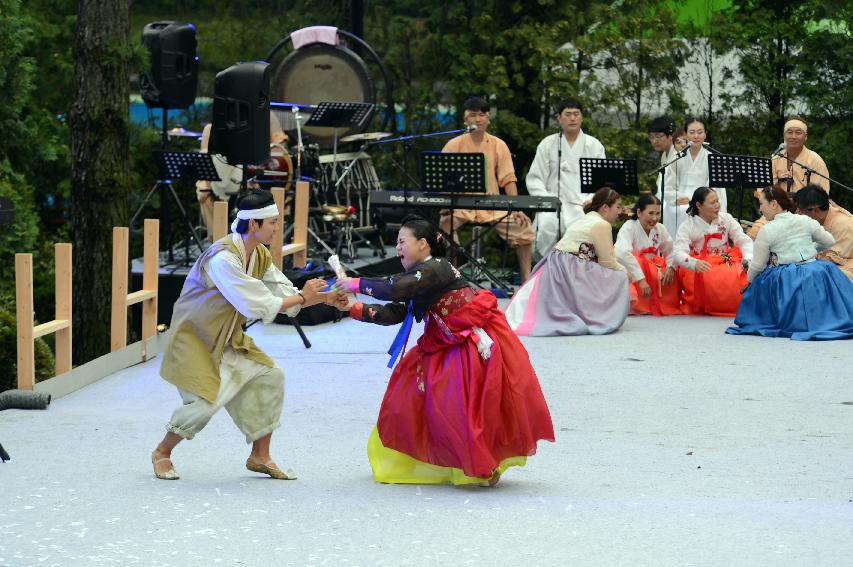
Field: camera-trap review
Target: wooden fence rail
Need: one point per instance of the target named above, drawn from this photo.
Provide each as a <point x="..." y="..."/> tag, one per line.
<point x="147" y="295"/>
<point x="61" y="325"/>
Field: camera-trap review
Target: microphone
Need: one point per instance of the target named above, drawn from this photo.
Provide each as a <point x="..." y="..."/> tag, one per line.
<point x="471" y="128"/>
<point x="709" y="148"/>
<point x="778" y="150"/>
<point x="686" y="148"/>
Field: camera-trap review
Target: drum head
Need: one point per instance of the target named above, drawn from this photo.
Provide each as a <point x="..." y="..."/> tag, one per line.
<point x="322" y="73"/>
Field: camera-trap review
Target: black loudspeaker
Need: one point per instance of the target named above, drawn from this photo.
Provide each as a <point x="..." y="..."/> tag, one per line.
<point x="241" y="113"/>
<point x="172" y="79"/>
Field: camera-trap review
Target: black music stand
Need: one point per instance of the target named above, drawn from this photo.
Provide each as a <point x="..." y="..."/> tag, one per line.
<point x="454" y="174"/>
<point x="739" y="171"/>
<point x="620" y="174"/>
<point x="338" y="115"/>
<point x="191" y="166"/>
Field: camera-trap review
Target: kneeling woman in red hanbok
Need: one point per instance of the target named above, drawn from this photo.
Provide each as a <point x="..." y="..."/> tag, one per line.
<point x="462" y="405"/>
<point x="711" y="251"/>
<point x="644" y="247"/>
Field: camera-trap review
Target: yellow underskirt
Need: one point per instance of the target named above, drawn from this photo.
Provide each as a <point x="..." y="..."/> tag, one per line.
<point x="394" y="467"/>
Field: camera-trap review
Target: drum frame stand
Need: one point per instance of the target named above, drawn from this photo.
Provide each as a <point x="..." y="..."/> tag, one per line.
<point x="298" y="177"/>
<point x="347" y="231"/>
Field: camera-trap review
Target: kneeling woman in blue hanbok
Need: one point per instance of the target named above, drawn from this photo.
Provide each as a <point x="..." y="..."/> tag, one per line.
<point x="795" y="296"/>
<point x="578" y="288"/>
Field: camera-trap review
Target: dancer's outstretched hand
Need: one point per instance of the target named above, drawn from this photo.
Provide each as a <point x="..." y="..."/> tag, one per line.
<point x="343" y="285"/>
<point x="312" y="291"/>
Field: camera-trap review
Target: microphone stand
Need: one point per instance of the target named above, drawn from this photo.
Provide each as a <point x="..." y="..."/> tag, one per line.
<point x="559" y="184"/>
<point x="407" y="142"/>
<point x="809" y="171"/>
<point x="710" y="148"/>
<point x="662" y="170"/>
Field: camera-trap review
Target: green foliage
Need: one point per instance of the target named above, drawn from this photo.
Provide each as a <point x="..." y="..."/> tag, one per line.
<point x="45" y="362"/>
<point x="22" y="234"/>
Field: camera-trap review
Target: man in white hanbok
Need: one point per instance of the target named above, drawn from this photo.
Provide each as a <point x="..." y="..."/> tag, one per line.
<point x="556" y="172"/>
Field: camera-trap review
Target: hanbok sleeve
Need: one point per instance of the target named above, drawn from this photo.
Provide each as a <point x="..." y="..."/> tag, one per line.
<point x="387" y="314"/>
<point x="537" y="176"/>
<point x="425" y="279"/>
<point x="504" y="169"/>
<point x="739" y="237"/>
<point x="760" y="257"/>
<point x="822" y="238"/>
<point x="820" y="180"/>
<point x="246" y="294"/>
<point x="281" y="287"/>
<point x="670" y="182"/>
<point x="842" y="232"/>
<point x="681" y="257"/>
<point x="601" y="237"/>
<point x="600" y="152"/>
<point x="624" y="249"/>
<point x="665" y="245"/>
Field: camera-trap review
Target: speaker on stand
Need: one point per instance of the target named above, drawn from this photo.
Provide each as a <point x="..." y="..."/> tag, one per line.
<point x="170" y="81"/>
<point x="241" y="115"/>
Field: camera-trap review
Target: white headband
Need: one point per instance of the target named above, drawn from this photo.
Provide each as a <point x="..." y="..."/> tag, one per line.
<point x="267" y="212"/>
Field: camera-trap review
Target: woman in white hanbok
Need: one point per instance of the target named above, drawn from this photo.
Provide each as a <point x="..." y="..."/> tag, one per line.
<point x="644" y="247"/>
<point x="684" y="176"/>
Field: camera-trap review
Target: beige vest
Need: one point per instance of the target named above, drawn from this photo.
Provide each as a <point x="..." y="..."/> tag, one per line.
<point x="200" y="323"/>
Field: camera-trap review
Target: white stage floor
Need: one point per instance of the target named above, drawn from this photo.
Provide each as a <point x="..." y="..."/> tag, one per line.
<point x="676" y="445"/>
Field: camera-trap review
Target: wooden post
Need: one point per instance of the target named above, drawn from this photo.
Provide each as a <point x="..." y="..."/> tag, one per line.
<point x="118" y="335"/>
<point x="300" y="224"/>
<point x="61" y="325"/>
<point x="147" y="295"/>
<point x="150" y="275"/>
<point x="63" y="307"/>
<point x="24" y="314"/>
<point x="220" y="220"/>
<point x="278" y="235"/>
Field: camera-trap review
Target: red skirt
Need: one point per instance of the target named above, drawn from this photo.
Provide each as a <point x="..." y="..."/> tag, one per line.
<point x="447" y="406"/>
<point x="717" y="292"/>
<point x="664" y="299"/>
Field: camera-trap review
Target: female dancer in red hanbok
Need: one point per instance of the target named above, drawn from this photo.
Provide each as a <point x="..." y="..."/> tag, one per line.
<point x="462" y="405"/>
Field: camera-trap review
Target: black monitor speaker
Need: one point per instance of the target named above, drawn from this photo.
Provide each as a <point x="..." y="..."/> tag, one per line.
<point x="241" y="113"/>
<point x="172" y="77"/>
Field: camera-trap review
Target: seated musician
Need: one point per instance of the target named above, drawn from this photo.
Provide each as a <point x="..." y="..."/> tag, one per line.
<point x="500" y="174"/>
<point x="207" y="194"/>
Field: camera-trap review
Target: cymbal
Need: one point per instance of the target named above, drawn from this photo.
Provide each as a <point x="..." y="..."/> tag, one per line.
<point x="366" y="136"/>
<point x="181" y="133"/>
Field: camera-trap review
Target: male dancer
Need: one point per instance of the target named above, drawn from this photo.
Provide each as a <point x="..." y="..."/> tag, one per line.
<point x="210" y="359"/>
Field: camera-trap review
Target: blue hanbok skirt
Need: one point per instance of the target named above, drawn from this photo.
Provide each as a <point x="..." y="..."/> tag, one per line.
<point x="807" y="301"/>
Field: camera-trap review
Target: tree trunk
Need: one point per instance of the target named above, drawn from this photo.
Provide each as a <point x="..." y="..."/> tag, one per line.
<point x="100" y="172"/>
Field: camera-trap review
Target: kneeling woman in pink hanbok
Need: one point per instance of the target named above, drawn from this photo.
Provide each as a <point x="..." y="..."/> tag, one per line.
<point x="578" y="288"/>
<point x="462" y="405"/>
